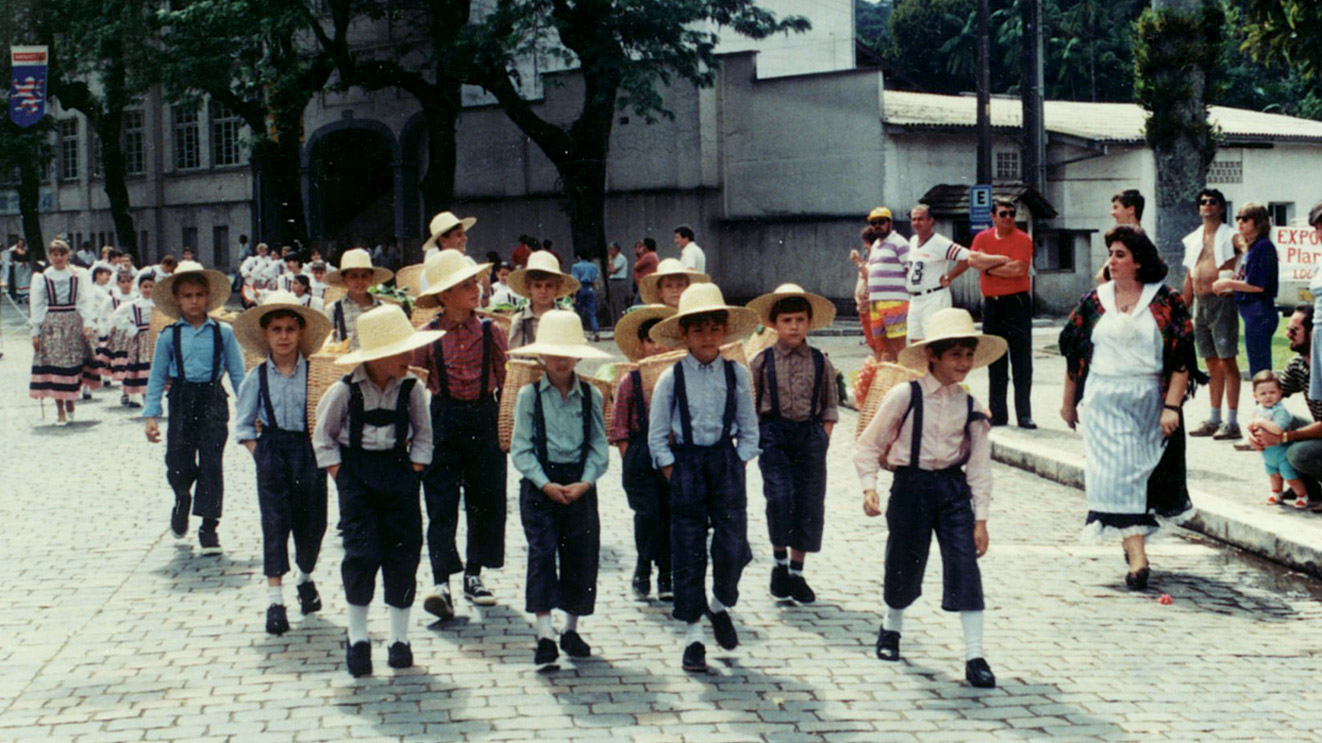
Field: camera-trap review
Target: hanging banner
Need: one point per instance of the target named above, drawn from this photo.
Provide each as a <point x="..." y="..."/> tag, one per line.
<point x="27" y="90"/>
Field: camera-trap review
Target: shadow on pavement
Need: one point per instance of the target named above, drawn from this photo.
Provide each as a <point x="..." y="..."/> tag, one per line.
<point x="190" y="571"/>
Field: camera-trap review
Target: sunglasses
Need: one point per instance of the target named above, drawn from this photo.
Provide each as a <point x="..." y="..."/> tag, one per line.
<point x="1009" y="213"/>
<point x="1208" y="201"/>
<point x="1242" y="218"/>
<point x="882" y="220"/>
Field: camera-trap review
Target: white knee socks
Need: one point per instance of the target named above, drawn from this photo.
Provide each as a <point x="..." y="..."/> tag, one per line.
<point x="357" y="624"/>
<point x="545" y="631"/>
<point x="399" y="625"/>
<point x="715" y="605"/>
<point x="894" y="620"/>
<point x="972" y="621"/>
<point x="693" y="633"/>
<point x="275" y="594"/>
<point x="571" y="622"/>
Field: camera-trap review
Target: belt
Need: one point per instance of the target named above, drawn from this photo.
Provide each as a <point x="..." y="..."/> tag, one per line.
<point x="928" y="291"/>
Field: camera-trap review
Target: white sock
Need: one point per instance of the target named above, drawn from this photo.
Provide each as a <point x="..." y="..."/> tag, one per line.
<point x="693" y="633"/>
<point x="1215" y="417"/>
<point x="894" y="620"/>
<point x="544" y="629"/>
<point x="571" y="622"/>
<point x="441" y="588"/>
<point x="715" y="605"/>
<point x="303" y="577"/>
<point x="782" y="562"/>
<point x="399" y="625"/>
<point x="275" y="594"/>
<point x="357" y="624"/>
<point x="972" y="621"/>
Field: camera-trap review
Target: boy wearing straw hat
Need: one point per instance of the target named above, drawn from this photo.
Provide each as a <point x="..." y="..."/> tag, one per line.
<point x="559" y="446"/>
<point x="543" y="284"/>
<point x="702" y="431"/>
<point x="796" y="407"/>
<point x="291" y="490"/>
<point x="465" y="373"/>
<point x="667" y="283"/>
<point x="193" y="355"/>
<point x="447" y="232"/>
<point x="356" y="274"/>
<point x="934" y="437"/>
<point x="646" y="488"/>
<point x="374" y="437"/>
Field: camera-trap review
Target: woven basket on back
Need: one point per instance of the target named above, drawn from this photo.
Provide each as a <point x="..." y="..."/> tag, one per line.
<point x="159" y="321"/>
<point x="322" y="373"/>
<point x="334" y="293"/>
<point x="423" y="315"/>
<point x="887" y="376"/>
<point x="652" y="367"/>
<point x="760" y="341"/>
<point x="522" y="372"/>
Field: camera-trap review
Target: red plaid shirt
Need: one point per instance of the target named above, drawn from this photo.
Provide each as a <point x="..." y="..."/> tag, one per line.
<point x="624" y="416"/>
<point x="462" y="348"/>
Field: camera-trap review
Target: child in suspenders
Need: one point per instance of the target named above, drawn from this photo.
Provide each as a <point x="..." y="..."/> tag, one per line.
<point x="931" y="435"/>
<point x="543" y="284"/>
<point x="356" y="274"/>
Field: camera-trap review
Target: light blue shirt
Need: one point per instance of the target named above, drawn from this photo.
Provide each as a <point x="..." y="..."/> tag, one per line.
<point x="289" y="396"/>
<point x="705" y="386"/>
<point x="586" y="272"/>
<point x="197" y="347"/>
<point x="564" y="432"/>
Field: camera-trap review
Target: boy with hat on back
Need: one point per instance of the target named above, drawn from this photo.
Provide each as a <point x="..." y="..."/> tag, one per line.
<point x="356" y="274"/>
<point x="796" y="405"/>
<point x="543" y="285"/>
<point x="291" y="490"/>
<point x="935" y="439"/>
<point x="374" y="437"/>
<point x="559" y="446"/>
<point x="701" y="407"/>
<point x="193" y="355"/>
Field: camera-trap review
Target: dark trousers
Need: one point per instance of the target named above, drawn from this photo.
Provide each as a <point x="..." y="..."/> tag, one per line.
<point x="195" y="444"/>
<point x="381" y="524"/>
<point x="568" y="535"/>
<point x="467" y="454"/>
<point x="793" y="463"/>
<point x="648" y="494"/>
<point x="291" y="493"/>
<point x="1010" y="317"/>
<point x="923" y="502"/>
<point x="1306" y="458"/>
<point x="1260" y="321"/>
<point x="707" y="488"/>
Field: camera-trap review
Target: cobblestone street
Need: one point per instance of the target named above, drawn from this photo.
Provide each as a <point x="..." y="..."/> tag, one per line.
<point x="116" y="632"/>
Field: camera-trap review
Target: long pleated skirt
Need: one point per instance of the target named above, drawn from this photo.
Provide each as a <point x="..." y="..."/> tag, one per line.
<point x="1123" y="443"/>
<point x="64" y="362"/>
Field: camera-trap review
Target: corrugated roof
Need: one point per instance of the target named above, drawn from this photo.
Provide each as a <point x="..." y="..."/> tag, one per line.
<point x="1103" y="122"/>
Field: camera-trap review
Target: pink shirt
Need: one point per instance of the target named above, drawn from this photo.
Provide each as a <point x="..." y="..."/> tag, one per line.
<point x="944" y="444"/>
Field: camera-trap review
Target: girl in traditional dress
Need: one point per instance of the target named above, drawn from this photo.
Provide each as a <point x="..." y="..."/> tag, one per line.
<point x="62" y="317"/>
<point x="132" y="321"/>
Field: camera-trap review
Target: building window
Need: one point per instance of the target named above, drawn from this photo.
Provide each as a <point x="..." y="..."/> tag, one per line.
<point x="1281" y="212"/>
<point x="186" y="153"/>
<point x="190" y="239"/>
<point x="69" y="148"/>
<point x="220" y="246"/>
<point x="135" y="156"/>
<point x="1007" y="166"/>
<point x="1054" y="251"/>
<point x="224" y="135"/>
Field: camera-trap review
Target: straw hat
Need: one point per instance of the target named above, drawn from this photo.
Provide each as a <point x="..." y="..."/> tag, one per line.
<point x="445" y="269"/>
<point x="443" y="223"/>
<point x="700" y="299"/>
<point x="823" y="311"/>
<point x="357" y="258"/>
<point x="386" y="331"/>
<point x="879" y="212"/>
<point x="949" y="324"/>
<point x="546" y="262"/>
<point x="248" y="328"/>
<point x="626" y="330"/>
<point x="648" y="286"/>
<point x="409" y="278"/>
<point x="162" y="294"/>
<point x="560" y="333"/>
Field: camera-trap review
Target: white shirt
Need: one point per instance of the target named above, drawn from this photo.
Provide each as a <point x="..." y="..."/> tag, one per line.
<point x="692" y="257"/>
<point x="930" y="260"/>
<point x="315" y="303"/>
<point x="61" y="280"/>
<point x="501" y="294"/>
<point x="332" y="429"/>
<point x="1126" y="345"/>
<point x="318" y="288"/>
<point x="1223" y="246"/>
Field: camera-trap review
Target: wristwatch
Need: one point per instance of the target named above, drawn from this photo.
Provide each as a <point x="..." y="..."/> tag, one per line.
<point x="1285" y="437"/>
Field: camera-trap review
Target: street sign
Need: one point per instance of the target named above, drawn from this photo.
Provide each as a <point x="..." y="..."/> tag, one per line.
<point x="980" y="207"/>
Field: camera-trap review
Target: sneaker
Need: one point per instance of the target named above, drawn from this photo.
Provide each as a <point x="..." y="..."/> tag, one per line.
<point x="780" y="583"/>
<point x="665" y="586"/>
<point x="800" y="591"/>
<point x="358" y="658"/>
<point x="546" y="654"/>
<point x="179" y="518"/>
<point x="209" y="541"/>
<point x="695" y="658"/>
<point x="476" y="592"/>
<point x="723" y="626"/>
<point x="1228" y="432"/>
<point x="309" y="601"/>
<point x="277" y="623"/>
<point x="573" y="645"/>
<point x="399" y="655"/>
<point x="439" y="603"/>
<point x="1206" y="428"/>
<point x="979" y="674"/>
<point x="641" y="583"/>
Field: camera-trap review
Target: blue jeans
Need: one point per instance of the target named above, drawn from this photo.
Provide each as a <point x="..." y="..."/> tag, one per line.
<point x="1260" y="321"/>
<point x="586" y="304"/>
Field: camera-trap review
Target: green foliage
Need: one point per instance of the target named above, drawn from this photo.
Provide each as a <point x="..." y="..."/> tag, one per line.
<point x="1174" y="51"/>
<point x="1275" y="62"/>
<point x="872" y="23"/>
<point x="1286" y="34"/>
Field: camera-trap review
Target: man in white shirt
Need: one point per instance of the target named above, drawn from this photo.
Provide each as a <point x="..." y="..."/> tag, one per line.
<point x="690" y="254"/>
<point x="934" y="262"/>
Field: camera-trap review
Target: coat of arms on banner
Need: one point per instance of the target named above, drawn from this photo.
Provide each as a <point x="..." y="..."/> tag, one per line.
<point x="27" y="89"/>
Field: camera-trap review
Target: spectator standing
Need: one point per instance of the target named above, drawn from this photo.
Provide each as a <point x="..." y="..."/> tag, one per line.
<point x="618" y="288"/>
<point x="1255" y="286"/>
<point x="1007" y="311"/>
<point x="690" y="253"/>
<point x="519" y="257"/>
<point x="934" y="262"/>
<point x="887" y="265"/>
<point x="585" y="299"/>
<point x="644" y="264"/>
<point x="1208" y="251"/>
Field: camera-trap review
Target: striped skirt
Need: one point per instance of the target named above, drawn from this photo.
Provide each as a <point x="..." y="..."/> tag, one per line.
<point x="64" y="363"/>
<point x="117" y="348"/>
<point x="137" y="363"/>
<point x="1123" y="443"/>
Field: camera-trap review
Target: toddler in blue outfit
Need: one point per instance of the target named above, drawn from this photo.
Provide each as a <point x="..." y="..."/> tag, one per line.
<point x="1273" y="416"/>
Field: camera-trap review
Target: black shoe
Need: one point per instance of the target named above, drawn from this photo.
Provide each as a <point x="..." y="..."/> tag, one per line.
<point x="133" y="404"/>
<point x="573" y="645"/>
<point x="209" y="541"/>
<point x="358" y="658"/>
<point x="440" y="604"/>
<point x="642" y="583"/>
<point x="1027" y="424"/>
<point x="695" y="658"/>
<point x="123" y="399"/>
<point x="1138" y="580"/>
<point x="87" y="395"/>
<point x="723" y="626"/>
<point x="780" y="583"/>
<point x="800" y="591"/>
<point x="888" y="644"/>
<point x="664" y="586"/>
<point x="399" y="655"/>
<point x="546" y="653"/>
<point x="179" y="518"/>
<point x="309" y="601"/>
<point x="980" y="674"/>
<point x="475" y="591"/>
<point x="277" y="623"/>
<point x="999" y="421"/>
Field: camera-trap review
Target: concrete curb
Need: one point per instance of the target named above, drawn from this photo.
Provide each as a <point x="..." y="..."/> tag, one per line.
<point x="1264" y="531"/>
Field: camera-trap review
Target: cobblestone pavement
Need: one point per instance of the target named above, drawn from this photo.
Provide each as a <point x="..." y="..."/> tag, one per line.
<point x="115" y="632"/>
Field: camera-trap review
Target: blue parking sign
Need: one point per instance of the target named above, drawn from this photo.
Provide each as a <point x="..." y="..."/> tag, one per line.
<point x="980" y="207"/>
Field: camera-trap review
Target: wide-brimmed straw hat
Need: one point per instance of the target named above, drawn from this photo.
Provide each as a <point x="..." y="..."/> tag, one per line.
<point x="386" y="331"/>
<point x="357" y="258"/>
<point x="953" y="323"/>
<point x="560" y="333"/>
<point x="445" y="269"/>
<point x="626" y="330"/>
<point x="443" y="223"/>
<point x="546" y="262"/>
<point x="162" y="294"/>
<point x="823" y="310"/>
<point x="701" y="299"/>
<point x="248" y="328"/>
<point x="409" y="278"/>
<point x="649" y="285"/>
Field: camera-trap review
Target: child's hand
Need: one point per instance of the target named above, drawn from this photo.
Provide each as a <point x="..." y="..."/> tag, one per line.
<point x="980" y="538"/>
<point x="250" y="445"/>
<point x="153" y="431"/>
<point x="555" y="492"/>
<point x="828" y="426"/>
<point x="871" y="503"/>
<point x="667" y="470"/>
<point x="419" y="467"/>
<point x="575" y="491"/>
<point x="333" y="471"/>
<point x="36" y="343"/>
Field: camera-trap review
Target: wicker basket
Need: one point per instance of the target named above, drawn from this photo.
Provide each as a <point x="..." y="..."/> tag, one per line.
<point x="522" y="372"/>
<point x="504" y="319"/>
<point x="652" y="367"/>
<point x="251" y="359"/>
<point x="887" y="376"/>
<point x="762" y="339"/>
<point x="334" y="293"/>
<point x="423" y="315"/>
<point x="322" y="373"/>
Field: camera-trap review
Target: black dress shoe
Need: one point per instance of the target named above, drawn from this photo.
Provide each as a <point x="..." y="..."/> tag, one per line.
<point x="573" y="645"/>
<point x="641" y="584"/>
<point x="399" y="655"/>
<point x="309" y="601"/>
<point x="695" y="658"/>
<point x="1138" y="580"/>
<point x="179" y="517"/>
<point x="1027" y="424"/>
<point x="277" y="623"/>
<point x="800" y="591"/>
<point x="780" y="583"/>
<point x="723" y="627"/>
<point x="546" y="654"/>
<point x="440" y="605"/>
<point x="358" y="658"/>
<point x="888" y="644"/>
<point x="999" y="421"/>
<point x="664" y="586"/>
<point x="979" y="674"/>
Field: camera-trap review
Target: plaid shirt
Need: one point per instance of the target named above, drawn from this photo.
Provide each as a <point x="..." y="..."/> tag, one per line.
<point x="462" y="347"/>
<point x="624" y="415"/>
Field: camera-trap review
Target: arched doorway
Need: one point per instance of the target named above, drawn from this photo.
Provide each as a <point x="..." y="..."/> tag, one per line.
<point x="351" y="185"/>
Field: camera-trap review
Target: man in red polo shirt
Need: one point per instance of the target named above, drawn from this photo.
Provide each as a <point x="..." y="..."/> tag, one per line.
<point x="519" y="258"/>
<point x="1007" y="311"/>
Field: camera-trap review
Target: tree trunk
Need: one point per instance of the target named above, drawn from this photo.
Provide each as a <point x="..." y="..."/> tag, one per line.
<point x="114" y="171"/>
<point x="280" y="163"/>
<point x="29" y="199"/>
<point x="584" y="185"/>
<point x="441" y="111"/>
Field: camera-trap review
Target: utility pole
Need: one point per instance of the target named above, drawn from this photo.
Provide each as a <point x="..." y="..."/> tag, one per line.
<point x="984" y="94"/>
<point x="1032" y="82"/>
